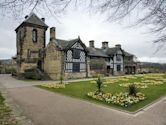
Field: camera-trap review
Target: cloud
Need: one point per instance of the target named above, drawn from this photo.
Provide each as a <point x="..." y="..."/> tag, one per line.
<point x="153" y="59"/>
<point x="6" y="53"/>
<point x="88" y="27"/>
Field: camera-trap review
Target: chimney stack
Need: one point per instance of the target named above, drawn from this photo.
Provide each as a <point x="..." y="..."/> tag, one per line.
<point x="52" y="33"/>
<point x="43" y="19"/>
<point x="118" y="46"/>
<point x="91" y="43"/>
<point x="104" y="44"/>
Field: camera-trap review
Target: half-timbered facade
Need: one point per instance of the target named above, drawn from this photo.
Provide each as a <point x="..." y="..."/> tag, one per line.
<point x="73" y="62"/>
<point x="75" y="58"/>
<point x="113" y="61"/>
<point x="67" y="58"/>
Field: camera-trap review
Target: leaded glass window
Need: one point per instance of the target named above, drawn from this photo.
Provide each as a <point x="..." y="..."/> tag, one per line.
<point x="34" y="35"/>
<point x="76" y="54"/>
<point x="76" y="67"/>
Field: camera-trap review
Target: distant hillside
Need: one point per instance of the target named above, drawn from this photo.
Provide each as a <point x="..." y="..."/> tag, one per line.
<point x="5" y="61"/>
<point x="161" y="67"/>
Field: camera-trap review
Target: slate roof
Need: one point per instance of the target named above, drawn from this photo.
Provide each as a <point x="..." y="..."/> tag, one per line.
<point x="102" y="52"/>
<point x="34" y="20"/>
<point x="109" y="52"/>
<point x="96" y="52"/>
<point x="127" y="54"/>
<point x="61" y="43"/>
<point x="65" y="44"/>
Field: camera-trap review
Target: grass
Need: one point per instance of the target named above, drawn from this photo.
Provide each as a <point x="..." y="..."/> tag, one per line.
<point x="6" y="118"/>
<point x="80" y="90"/>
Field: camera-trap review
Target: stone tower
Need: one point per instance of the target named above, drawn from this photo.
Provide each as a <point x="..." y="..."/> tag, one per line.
<point x="30" y="43"/>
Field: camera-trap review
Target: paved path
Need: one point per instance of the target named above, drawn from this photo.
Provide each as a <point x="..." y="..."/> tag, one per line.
<point x="48" y="108"/>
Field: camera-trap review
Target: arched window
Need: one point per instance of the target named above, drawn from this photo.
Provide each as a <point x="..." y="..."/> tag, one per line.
<point x="34" y="35"/>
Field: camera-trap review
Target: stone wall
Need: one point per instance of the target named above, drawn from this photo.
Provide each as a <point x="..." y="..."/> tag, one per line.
<point x="33" y="46"/>
<point x="75" y="75"/>
<point x="25" y="66"/>
<point x="97" y="66"/>
<point x="52" y="61"/>
<point x="26" y="46"/>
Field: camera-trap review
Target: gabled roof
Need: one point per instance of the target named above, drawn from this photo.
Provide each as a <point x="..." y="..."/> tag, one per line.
<point x="33" y="19"/>
<point x="61" y="43"/>
<point x="127" y="54"/>
<point x="66" y="44"/>
<point x="96" y="52"/>
<point x="112" y="51"/>
<point x="107" y="52"/>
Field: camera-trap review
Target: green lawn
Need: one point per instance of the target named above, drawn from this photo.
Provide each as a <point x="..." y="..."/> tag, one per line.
<point x="5" y="114"/>
<point x="80" y="90"/>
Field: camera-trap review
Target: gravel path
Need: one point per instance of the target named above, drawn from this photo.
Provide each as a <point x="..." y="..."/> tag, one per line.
<point x="48" y="108"/>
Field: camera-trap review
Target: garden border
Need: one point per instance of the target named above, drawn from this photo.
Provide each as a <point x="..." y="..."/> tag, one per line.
<point x="134" y="113"/>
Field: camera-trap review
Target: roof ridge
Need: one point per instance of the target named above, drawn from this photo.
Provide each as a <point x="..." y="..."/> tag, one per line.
<point x="66" y="40"/>
<point x="32" y="13"/>
<point x="31" y="17"/>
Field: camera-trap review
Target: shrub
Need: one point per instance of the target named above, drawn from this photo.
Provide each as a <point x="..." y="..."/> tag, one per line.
<point x="61" y="79"/>
<point x="132" y="90"/>
<point x="32" y="74"/>
<point x="99" y="83"/>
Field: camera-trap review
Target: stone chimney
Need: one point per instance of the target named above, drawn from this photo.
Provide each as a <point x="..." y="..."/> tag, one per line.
<point x="118" y="46"/>
<point x="104" y="44"/>
<point x="91" y="43"/>
<point x="43" y="19"/>
<point x="52" y="33"/>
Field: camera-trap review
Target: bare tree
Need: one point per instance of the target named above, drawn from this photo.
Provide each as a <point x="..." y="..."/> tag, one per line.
<point x="148" y="12"/>
<point x="16" y="8"/>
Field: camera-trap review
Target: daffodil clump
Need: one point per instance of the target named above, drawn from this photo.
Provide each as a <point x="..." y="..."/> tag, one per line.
<point x="130" y="77"/>
<point x="153" y="82"/>
<point x="122" y="99"/>
<point x="53" y="85"/>
<point x="147" y="81"/>
<point x="137" y="84"/>
<point x="110" y="81"/>
<point x="152" y="76"/>
<point x="93" y="81"/>
<point x="106" y="81"/>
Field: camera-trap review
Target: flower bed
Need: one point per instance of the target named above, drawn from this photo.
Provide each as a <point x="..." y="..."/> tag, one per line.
<point x="53" y="85"/>
<point x="137" y="84"/>
<point x="94" y="82"/>
<point x="122" y="99"/>
<point x="143" y="84"/>
<point x="153" y="82"/>
<point x="110" y="81"/>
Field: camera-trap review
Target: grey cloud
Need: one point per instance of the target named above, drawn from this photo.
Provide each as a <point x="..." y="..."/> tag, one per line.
<point x="74" y="23"/>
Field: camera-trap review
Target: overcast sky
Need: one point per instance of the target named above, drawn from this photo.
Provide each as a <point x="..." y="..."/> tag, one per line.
<point x="76" y="23"/>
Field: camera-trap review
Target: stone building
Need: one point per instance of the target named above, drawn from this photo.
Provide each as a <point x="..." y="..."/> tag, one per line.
<point x="110" y="61"/>
<point x="59" y="57"/>
<point x="30" y="43"/>
<point x="68" y="58"/>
